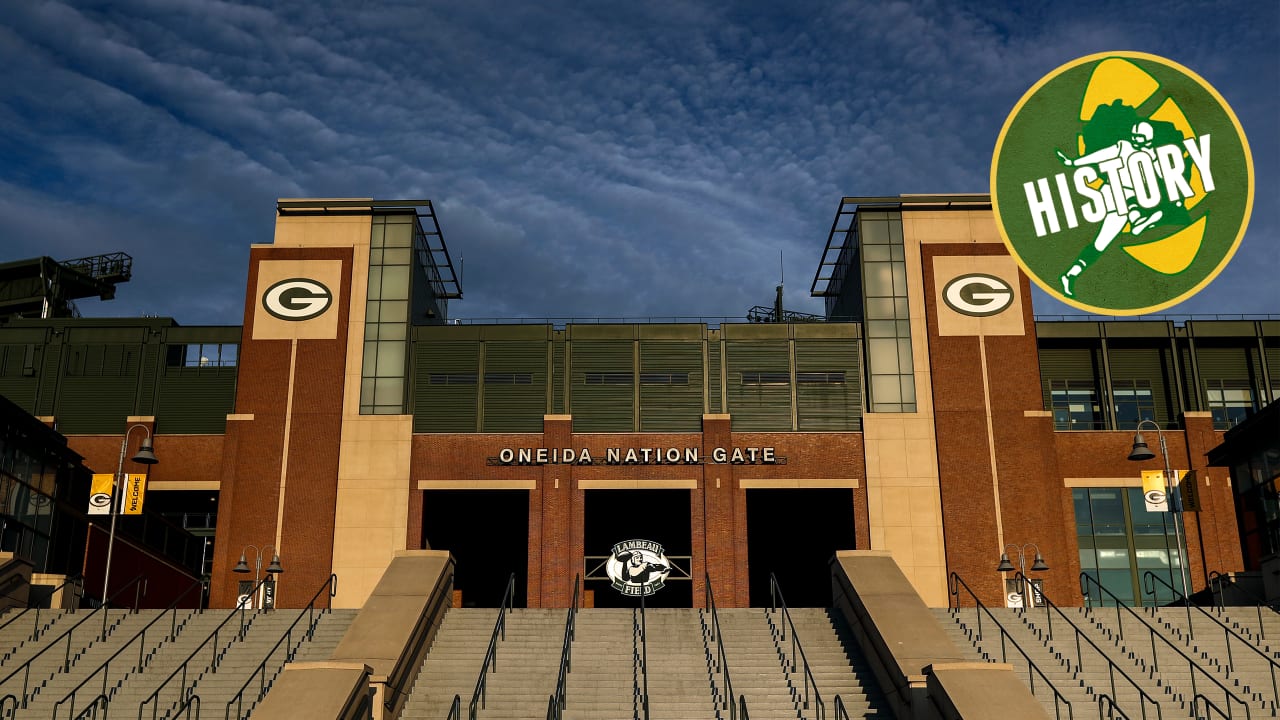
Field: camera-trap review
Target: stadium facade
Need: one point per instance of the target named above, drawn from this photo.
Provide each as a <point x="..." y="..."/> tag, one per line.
<point x="929" y="414"/>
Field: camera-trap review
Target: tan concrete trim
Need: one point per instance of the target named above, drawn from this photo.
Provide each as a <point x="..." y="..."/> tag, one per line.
<point x="47" y="419"/>
<point x="546" y="418"/>
<point x="798" y="483"/>
<point x="288" y="422"/>
<point x="240" y="416"/>
<point x="654" y="484"/>
<point x="477" y="484"/>
<point x="1037" y="413"/>
<point x="183" y="485"/>
<point x="715" y="416"/>
<point x="140" y="418"/>
<point x="1102" y="482"/>
<point x="1198" y="414"/>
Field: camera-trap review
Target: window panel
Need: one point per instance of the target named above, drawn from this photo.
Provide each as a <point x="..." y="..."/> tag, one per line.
<point x="886" y="388"/>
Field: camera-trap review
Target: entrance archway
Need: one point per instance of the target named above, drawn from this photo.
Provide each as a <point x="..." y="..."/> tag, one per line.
<point x="662" y="516"/>
<point x="488" y="533"/>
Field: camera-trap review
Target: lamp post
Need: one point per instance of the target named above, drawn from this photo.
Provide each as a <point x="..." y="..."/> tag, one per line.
<point x="145" y="456"/>
<point x="1037" y="565"/>
<point x="1141" y="452"/>
<point x="273" y="568"/>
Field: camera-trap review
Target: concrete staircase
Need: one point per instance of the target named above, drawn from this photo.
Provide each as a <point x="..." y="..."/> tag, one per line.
<point x="602" y="684"/>
<point x="127" y="687"/>
<point x="1158" y="668"/>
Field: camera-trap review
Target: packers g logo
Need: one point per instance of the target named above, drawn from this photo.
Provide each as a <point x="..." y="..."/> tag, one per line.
<point x="977" y="295"/>
<point x="297" y="299"/>
<point x="1126" y="152"/>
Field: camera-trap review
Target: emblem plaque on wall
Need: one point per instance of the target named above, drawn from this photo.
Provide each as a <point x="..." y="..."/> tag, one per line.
<point x="638" y="568"/>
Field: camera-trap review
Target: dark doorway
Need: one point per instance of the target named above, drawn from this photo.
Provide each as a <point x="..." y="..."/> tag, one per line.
<point x="662" y="516"/>
<point x="793" y="534"/>
<point x="488" y="533"/>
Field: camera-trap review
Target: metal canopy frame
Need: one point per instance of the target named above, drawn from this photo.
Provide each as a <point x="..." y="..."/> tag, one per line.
<point x="840" y="234"/>
<point x="435" y="257"/>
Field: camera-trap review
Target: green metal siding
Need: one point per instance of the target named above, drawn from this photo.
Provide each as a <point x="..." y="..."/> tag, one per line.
<point x="1145" y="364"/>
<point x="195" y="400"/>
<point x="558" y="378"/>
<point x="19" y="374"/>
<point x="515" y="407"/>
<point x="674" y="408"/>
<point x="758" y="407"/>
<point x="602" y="408"/>
<point x="829" y="406"/>
<point x="1228" y="363"/>
<point x="1073" y="363"/>
<point x="98" y="389"/>
<point x="445" y="408"/>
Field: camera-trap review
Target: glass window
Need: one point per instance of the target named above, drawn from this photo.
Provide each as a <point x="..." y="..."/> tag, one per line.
<point x="1120" y="542"/>
<point x="1230" y="401"/>
<point x="1134" y="403"/>
<point x="1075" y="405"/>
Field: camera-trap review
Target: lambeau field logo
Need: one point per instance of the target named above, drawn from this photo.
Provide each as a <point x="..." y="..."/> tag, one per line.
<point x="1122" y="183"/>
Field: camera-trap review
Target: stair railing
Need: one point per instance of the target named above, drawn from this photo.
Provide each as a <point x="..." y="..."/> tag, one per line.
<point x="1216" y="581"/>
<point x="145" y="652"/>
<point x="491" y="655"/>
<point x="720" y="662"/>
<point x="1228" y="633"/>
<point x="290" y="649"/>
<point x="558" y="700"/>
<point x="776" y="602"/>
<point x="1108" y="709"/>
<point x="25" y="668"/>
<point x="36" y="630"/>
<point x="954" y="585"/>
<point x="455" y="708"/>
<point x="639" y="662"/>
<point x="1112" y="668"/>
<point x="742" y="708"/>
<point x="838" y="709"/>
<point x="442" y="600"/>
<point x="90" y="711"/>
<point x="1208" y="704"/>
<point x="184" y="672"/>
<point x="1152" y="635"/>
<point x="9" y="706"/>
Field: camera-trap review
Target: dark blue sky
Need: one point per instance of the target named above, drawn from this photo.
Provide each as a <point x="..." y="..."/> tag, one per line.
<point x="594" y="159"/>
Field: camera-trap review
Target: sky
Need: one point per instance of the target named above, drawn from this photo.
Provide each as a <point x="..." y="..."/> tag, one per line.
<point x="589" y="159"/>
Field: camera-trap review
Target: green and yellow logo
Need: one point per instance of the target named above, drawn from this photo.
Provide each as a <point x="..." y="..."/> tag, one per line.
<point x="1129" y="151"/>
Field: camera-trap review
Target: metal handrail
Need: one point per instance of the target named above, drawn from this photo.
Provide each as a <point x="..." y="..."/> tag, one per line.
<point x="1112" y="667"/>
<point x="393" y="691"/>
<point x="216" y="657"/>
<point x="1195" y="707"/>
<point x="25" y="668"/>
<point x="144" y="658"/>
<point x="742" y="708"/>
<point x="1107" y="705"/>
<point x="721" y="661"/>
<point x="5" y="711"/>
<point x="954" y="583"/>
<point x="287" y="638"/>
<point x="838" y="709"/>
<point x="491" y="655"/>
<point x="1228" y="632"/>
<point x="776" y="600"/>
<point x="185" y="707"/>
<point x="91" y="710"/>
<point x="558" y="700"/>
<point x="455" y="708"/>
<point x="1192" y="665"/>
<point x="639" y="660"/>
<point x="35" y="628"/>
<point x="1216" y="580"/>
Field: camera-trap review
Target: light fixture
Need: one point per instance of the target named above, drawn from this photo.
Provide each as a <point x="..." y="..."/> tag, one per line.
<point x="274" y="567"/>
<point x="1140" y="450"/>
<point x="1005" y="565"/>
<point x="242" y="566"/>
<point x="1039" y="564"/>
<point x="146" y="454"/>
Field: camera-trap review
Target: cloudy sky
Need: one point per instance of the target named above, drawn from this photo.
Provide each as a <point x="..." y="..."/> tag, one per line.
<point x="585" y="158"/>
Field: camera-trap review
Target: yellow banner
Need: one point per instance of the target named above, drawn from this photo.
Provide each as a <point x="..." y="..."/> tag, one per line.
<point x="1153" y="491"/>
<point x="135" y="487"/>
<point x="100" y="494"/>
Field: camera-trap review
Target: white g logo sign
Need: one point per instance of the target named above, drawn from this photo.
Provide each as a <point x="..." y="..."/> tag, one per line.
<point x="297" y="299"/>
<point x="977" y="295"/>
<point x="100" y="500"/>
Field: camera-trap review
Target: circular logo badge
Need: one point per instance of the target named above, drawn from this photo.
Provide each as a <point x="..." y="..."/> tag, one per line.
<point x="297" y="299"/>
<point x="100" y="500"/>
<point x="637" y="568"/>
<point x="977" y="295"/>
<point x="1155" y="497"/>
<point x="1122" y="183"/>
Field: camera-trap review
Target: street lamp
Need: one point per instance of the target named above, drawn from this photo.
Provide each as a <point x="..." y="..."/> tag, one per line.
<point x="1037" y="565"/>
<point x="272" y="568"/>
<point x="145" y="456"/>
<point x="1141" y="452"/>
